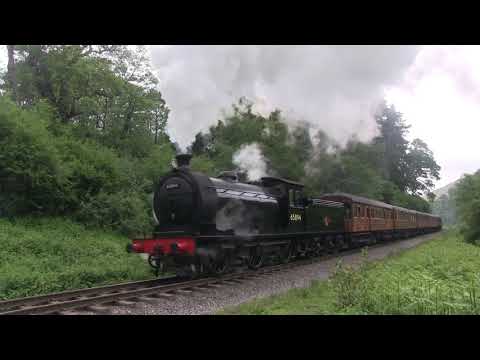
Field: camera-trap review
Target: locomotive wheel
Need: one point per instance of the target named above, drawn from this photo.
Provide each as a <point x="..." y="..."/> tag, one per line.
<point x="318" y="248"/>
<point x="255" y="260"/>
<point x="156" y="264"/>
<point x="288" y="253"/>
<point x="197" y="270"/>
<point x="340" y="241"/>
<point x="220" y="267"/>
<point x="306" y="249"/>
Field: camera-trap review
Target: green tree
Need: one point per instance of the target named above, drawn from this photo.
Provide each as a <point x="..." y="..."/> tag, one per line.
<point x="392" y="140"/>
<point x="410" y="166"/>
<point x="421" y="168"/>
<point x="31" y="177"/>
<point x="444" y="206"/>
<point x="106" y="92"/>
<point x="467" y="200"/>
<point x="198" y="146"/>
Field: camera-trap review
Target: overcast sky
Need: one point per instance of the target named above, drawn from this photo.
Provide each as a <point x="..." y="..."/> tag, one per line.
<point x="440" y="98"/>
<point x="437" y="88"/>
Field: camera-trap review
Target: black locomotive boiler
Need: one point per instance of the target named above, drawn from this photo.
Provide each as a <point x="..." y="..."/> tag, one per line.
<point x="213" y="224"/>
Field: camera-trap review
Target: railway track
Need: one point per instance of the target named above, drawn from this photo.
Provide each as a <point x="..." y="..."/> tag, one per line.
<point x="100" y="299"/>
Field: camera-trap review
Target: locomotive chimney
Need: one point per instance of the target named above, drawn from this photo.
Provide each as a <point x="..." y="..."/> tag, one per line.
<point x="183" y="160"/>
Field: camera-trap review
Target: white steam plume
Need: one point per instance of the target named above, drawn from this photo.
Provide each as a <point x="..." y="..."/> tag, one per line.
<point x="249" y="158"/>
<point x="334" y="88"/>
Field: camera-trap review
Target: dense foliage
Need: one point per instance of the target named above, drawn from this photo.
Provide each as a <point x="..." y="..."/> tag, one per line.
<point x="82" y="134"/>
<point x="467" y="200"/>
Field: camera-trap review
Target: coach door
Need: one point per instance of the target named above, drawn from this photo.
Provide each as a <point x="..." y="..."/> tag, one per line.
<point x="348" y="217"/>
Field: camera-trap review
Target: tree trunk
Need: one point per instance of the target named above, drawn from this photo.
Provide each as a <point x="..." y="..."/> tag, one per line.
<point x="11" y="71"/>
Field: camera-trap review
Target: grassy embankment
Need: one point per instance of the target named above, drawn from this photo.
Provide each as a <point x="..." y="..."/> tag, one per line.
<point x="48" y="255"/>
<point x="438" y="277"/>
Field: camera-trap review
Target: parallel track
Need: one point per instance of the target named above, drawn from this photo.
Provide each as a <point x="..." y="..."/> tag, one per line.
<point x="99" y="299"/>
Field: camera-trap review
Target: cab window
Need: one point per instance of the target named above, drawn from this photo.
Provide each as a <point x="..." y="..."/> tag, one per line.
<point x="298" y="198"/>
<point x="291" y="197"/>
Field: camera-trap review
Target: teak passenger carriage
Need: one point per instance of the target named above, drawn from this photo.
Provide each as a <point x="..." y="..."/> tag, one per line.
<point x="211" y="225"/>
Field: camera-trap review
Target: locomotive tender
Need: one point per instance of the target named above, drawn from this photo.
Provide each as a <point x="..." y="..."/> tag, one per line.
<point x="210" y="225"/>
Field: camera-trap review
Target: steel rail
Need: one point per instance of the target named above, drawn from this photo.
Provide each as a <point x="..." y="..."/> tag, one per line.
<point x="69" y="294"/>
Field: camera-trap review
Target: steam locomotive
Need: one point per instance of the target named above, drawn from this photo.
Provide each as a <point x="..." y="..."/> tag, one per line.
<point x="211" y="225"/>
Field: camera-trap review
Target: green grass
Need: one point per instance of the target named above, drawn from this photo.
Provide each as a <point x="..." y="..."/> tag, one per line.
<point x="39" y="256"/>
<point x="438" y="277"/>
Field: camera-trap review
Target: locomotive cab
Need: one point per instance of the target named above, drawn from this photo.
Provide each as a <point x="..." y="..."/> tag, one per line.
<point x="291" y="200"/>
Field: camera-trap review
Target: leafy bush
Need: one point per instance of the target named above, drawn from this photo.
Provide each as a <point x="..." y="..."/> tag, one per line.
<point x="31" y="177"/>
<point x="125" y="211"/>
<point x="51" y="172"/>
<point x="349" y="284"/>
<point x="440" y="277"/>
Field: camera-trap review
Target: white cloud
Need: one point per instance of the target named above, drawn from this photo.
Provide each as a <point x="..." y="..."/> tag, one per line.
<point x="440" y="99"/>
<point x="332" y="87"/>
